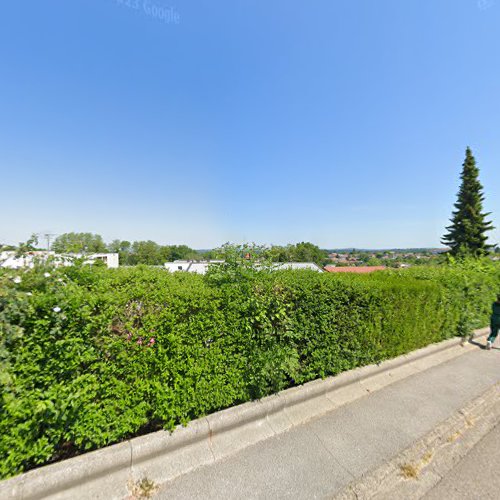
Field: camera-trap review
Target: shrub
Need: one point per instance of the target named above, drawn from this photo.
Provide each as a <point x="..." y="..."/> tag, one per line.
<point x="91" y="356"/>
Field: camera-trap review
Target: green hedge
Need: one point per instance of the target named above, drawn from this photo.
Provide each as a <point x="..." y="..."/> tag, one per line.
<point x="138" y="349"/>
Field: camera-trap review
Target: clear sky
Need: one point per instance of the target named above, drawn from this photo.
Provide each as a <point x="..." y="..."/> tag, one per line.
<point x="341" y="122"/>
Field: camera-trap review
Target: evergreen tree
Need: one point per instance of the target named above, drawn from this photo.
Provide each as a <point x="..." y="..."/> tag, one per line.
<point x="467" y="233"/>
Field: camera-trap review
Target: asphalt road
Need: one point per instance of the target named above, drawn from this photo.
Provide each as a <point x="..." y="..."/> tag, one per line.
<point x="320" y="458"/>
<point x="476" y="476"/>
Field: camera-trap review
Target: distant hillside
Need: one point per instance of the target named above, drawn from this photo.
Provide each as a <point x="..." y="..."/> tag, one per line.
<point x="396" y="250"/>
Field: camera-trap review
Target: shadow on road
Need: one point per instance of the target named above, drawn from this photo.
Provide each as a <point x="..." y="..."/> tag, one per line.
<point x="481" y="345"/>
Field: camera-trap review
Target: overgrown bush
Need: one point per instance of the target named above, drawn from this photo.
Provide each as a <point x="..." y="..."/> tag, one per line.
<point x="91" y="356"/>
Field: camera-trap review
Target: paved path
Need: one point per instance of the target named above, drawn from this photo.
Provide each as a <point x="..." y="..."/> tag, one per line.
<point x="319" y="458"/>
<point x="476" y="476"/>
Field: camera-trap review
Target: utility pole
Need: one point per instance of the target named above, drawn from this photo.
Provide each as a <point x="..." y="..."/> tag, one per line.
<point x="48" y="237"/>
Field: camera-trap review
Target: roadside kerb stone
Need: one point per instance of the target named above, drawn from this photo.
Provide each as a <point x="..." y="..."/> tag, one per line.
<point x="12" y="488"/>
<point x="162" y="456"/>
<point x="307" y="401"/>
<point x="238" y="427"/>
<point x="99" y="474"/>
<point x="275" y="413"/>
<point x="417" y="469"/>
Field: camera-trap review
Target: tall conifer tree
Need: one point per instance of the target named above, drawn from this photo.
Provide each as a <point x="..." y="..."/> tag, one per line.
<point x="467" y="232"/>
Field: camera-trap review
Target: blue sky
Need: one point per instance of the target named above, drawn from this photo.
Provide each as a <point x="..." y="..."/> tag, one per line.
<point x="343" y="123"/>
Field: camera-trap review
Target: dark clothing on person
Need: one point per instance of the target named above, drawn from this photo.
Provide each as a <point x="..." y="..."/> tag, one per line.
<point x="493" y="333"/>
<point x="495" y="314"/>
<point x="494" y="321"/>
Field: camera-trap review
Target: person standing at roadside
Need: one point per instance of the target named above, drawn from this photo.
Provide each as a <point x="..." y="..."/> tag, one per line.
<point x="494" y="323"/>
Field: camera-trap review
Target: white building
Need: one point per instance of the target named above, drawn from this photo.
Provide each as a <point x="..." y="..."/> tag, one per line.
<point x="202" y="266"/>
<point x="9" y="260"/>
<point x="112" y="260"/>
<point x="190" y="266"/>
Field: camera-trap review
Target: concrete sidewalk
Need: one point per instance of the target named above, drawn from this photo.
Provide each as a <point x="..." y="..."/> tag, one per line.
<point x="320" y="458"/>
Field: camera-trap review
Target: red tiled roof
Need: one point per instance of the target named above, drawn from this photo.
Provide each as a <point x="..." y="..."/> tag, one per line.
<point x="360" y="269"/>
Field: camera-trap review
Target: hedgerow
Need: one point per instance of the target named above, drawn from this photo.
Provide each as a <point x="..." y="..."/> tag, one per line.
<point x="91" y="356"/>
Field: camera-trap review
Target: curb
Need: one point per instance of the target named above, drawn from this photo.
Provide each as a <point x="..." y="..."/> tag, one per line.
<point x="115" y="471"/>
<point x="415" y="471"/>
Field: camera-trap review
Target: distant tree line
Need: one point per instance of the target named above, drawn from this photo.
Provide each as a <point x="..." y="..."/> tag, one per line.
<point x="300" y="252"/>
<point x="131" y="253"/>
<point x="151" y="253"/>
